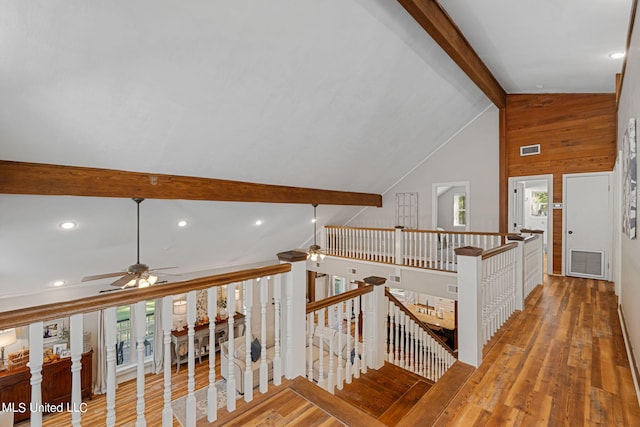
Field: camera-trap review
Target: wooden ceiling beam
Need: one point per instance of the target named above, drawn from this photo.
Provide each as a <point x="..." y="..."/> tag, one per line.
<point x="435" y="20"/>
<point x="58" y="180"/>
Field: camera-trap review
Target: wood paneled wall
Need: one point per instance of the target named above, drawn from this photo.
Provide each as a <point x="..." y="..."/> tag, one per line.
<point x="576" y="133"/>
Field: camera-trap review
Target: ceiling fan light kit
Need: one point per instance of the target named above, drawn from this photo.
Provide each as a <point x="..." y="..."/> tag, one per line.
<point x="315" y="251"/>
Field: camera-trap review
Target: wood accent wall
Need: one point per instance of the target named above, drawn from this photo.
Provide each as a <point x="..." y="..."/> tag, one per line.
<point x="576" y="133"/>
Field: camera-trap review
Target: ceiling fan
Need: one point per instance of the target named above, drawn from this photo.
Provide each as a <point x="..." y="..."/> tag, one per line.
<point x="137" y="275"/>
<point x="315" y="251"/>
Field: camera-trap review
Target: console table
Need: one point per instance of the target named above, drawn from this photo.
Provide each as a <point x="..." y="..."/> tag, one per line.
<point x="201" y="338"/>
<point x="15" y="386"/>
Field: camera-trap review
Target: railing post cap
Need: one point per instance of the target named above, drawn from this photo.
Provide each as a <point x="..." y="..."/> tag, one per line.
<point x="292" y="256"/>
<point x="374" y="280"/>
<point x="515" y="237"/>
<point x="469" y="251"/>
<point x="526" y="230"/>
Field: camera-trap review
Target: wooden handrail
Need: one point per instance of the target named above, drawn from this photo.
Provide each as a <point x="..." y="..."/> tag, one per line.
<point x="408" y="230"/>
<point x="418" y="321"/>
<point x="26" y="316"/>
<point x="475" y="233"/>
<point x="489" y="253"/>
<point x="358" y="228"/>
<point x="328" y="302"/>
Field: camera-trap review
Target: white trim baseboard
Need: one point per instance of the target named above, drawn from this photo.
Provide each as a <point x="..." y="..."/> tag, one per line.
<point x="630" y="356"/>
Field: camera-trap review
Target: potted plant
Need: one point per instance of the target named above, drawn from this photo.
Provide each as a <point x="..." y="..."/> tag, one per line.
<point x="223" y="314"/>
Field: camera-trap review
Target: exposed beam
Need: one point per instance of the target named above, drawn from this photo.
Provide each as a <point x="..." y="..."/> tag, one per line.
<point x="433" y="18"/>
<point x="57" y="180"/>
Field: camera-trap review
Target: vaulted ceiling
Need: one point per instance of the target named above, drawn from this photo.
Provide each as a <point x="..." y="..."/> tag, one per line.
<point x="342" y="95"/>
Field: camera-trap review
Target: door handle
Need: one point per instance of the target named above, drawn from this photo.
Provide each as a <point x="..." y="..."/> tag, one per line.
<point x="570" y="232"/>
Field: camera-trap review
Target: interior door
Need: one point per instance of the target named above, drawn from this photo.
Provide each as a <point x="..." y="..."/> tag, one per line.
<point x="518" y="207"/>
<point x="587" y="225"/>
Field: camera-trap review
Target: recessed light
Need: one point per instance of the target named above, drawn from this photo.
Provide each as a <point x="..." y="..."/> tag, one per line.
<point x="58" y="283"/>
<point x="313" y="220"/>
<point x="68" y="225"/>
<point x="616" y="55"/>
<point x="259" y="222"/>
<point x="182" y="223"/>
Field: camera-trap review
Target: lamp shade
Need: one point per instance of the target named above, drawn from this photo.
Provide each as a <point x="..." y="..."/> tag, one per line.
<point x="7" y="337"/>
<point x="180" y="307"/>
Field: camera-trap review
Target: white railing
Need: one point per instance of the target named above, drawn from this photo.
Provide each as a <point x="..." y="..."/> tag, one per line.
<point x="412" y="346"/>
<point x="499" y="289"/>
<point x="336" y="350"/>
<point x="368" y="244"/>
<point x="433" y="249"/>
<point x="533" y="273"/>
<point x="262" y="293"/>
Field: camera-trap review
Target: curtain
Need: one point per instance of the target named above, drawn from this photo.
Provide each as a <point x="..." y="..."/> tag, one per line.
<point x="101" y="358"/>
<point x="158" y="340"/>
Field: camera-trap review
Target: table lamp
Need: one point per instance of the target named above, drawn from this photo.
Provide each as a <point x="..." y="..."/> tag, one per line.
<point x="7" y="337"/>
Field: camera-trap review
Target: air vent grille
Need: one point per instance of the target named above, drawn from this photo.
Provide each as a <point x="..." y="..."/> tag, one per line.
<point x="452" y="289"/>
<point x="530" y="150"/>
<point x="394" y="279"/>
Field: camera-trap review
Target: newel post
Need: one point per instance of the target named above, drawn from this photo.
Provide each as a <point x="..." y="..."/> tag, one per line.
<point x="470" y="340"/>
<point x="376" y="325"/>
<point x="540" y="262"/>
<point x="519" y="270"/>
<point x="398" y="254"/>
<point x="294" y="314"/>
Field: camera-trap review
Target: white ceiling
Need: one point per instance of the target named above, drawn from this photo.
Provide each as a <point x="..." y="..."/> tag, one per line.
<point x="546" y="46"/>
<point x="343" y="95"/>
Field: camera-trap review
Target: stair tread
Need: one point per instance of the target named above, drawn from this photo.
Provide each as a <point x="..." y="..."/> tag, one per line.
<point x="401" y="406"/>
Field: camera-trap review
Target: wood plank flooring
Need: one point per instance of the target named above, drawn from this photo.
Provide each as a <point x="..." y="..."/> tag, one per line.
<point x="560" y="362"/>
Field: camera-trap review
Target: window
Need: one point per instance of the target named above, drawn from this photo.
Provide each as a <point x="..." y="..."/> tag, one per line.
<point x="459" y="210"/>
<point x="125" y="345"/>
<point x="540" y="203"/>
<point x="407" y="210"/>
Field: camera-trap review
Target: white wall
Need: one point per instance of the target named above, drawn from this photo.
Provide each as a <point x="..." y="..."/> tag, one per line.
<point x="471" y="155"/>
<point x="630" y="249"/>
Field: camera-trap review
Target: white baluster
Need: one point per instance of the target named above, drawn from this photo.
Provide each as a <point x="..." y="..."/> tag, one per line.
<point x="35" y="366"/>
<point x="191" y="362"/>
<point x="365" y="306"/>
<point x="231" y="381"/>
<point x="110" y="344"/>
<point x="76" y="332"/>
<point x="331" y="376"/>
<point x="390" y="331"/>
<point x="248" y="334"/>
<point x="167" y="324"/>
<point x="264" y="369"/>
<point x="356" y="343"/>
<point x="310" y="329"/>
<point x="321" y="376"/>
<point x="277" y="359"/>
<point x="339" y="371"/>
<point x="212" y="392"/>
<point x="348" y="364"/>
<point x="140" y="311"/>
<point x="398" y="337"/>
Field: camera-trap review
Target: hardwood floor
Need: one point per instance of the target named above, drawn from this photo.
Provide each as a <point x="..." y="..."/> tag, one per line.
<point x="562" y="361"/>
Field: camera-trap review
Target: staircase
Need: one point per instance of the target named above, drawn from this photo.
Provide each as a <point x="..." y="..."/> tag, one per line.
<point x="395" y="396"/>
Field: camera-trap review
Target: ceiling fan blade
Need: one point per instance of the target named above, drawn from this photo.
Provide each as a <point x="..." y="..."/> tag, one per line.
<point x="162" y="268"/>
<point x="103" y="276"/>
<point x="121" y="282"/>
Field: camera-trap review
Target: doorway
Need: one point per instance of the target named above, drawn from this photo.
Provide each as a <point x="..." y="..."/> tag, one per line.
<point x="587" y="225"/>
<point x="530" y="207"/>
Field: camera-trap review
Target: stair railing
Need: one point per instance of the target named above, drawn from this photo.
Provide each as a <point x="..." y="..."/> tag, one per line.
<point x="412" y="345"/>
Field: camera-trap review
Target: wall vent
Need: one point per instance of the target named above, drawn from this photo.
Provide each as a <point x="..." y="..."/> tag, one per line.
<point x="394" y="279"/>
<point x="353" y="271"/>
<point x="452" y="289"/>
<point x="586" y="263"/>
<point x="530" y="150"/>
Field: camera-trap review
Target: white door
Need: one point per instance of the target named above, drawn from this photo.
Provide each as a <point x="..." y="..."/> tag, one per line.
<point x="587" y="224"/>
<point x="520" y="215"/>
